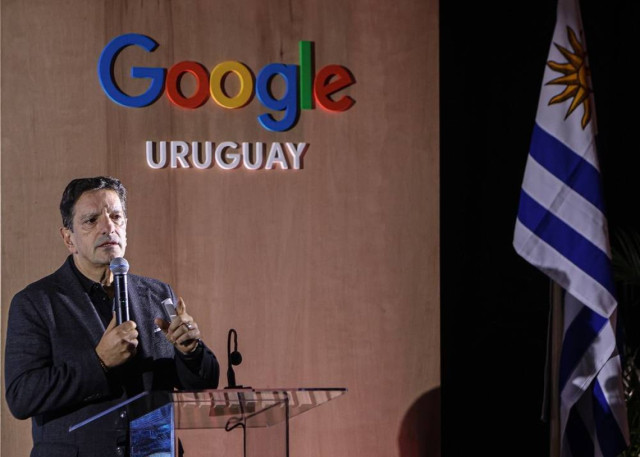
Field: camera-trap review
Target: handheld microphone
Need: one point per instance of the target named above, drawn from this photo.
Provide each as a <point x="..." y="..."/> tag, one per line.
<point x="233" y="358"/>
<point x="119" y="267"/>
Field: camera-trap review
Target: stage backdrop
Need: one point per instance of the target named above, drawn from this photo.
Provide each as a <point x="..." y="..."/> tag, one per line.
<point x="325" y="260"/>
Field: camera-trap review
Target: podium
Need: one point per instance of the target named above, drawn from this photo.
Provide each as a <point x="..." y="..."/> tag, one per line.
<point x="262" y="415"/>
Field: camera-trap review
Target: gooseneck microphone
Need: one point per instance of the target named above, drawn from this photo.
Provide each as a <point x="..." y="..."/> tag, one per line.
<point x="120" y="267"/>
<point x="233" y="358"/>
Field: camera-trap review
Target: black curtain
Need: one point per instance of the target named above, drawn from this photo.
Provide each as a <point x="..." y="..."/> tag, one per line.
<point x="494" y="304"/>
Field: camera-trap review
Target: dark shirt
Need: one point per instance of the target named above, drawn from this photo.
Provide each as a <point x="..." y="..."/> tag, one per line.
<point x="102" y="302"/>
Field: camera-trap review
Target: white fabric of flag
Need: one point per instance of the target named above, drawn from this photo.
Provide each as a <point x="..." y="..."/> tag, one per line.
<point x="562" y="229"/>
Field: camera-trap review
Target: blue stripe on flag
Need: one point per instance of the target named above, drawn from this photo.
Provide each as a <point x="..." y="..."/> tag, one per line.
<point x="578" y="437"/>
<point x="567" y="166"/>
<point x="611" y="441"/>
<point x="571" y="244"/>
<point x="579" y="336"/>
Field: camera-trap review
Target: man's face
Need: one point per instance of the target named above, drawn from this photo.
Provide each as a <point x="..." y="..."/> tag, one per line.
<point x="99" y="230"/>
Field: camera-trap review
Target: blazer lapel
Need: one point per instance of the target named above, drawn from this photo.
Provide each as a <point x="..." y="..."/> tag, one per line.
<point x="77" y="301"/>
<point x="139" y="300"/>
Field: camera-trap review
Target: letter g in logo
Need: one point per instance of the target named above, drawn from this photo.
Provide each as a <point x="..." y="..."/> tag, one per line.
<point x="105" y="71"/>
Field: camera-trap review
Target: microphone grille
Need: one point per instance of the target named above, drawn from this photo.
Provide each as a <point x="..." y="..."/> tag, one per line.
<point x="119" y="266"/>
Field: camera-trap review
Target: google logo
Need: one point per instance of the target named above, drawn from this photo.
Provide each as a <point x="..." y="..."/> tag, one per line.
<point x="299" y="83"/>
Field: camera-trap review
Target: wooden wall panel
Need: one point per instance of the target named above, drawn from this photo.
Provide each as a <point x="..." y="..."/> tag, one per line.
<point x="330" y="274"/>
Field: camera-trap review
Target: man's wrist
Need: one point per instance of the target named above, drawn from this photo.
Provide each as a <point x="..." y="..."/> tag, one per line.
<point x="194" y="351"/>
<point x="102" y="364"/>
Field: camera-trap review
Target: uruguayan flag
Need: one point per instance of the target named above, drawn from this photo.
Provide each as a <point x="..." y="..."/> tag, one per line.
<point x="562" y="229"/>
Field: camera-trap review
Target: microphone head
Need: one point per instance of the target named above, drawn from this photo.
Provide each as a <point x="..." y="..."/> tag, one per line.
<point x="235" y="358"/>
<point x="119" y="266"/>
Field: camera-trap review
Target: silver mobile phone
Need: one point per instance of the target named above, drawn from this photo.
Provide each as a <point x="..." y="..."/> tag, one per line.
<point x="170" y="308"/>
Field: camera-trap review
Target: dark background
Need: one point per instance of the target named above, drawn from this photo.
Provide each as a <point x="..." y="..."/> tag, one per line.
<point x="495" y="305"/>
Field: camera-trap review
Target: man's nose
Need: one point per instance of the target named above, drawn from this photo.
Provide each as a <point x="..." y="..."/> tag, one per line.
<point x="106" y="224"/>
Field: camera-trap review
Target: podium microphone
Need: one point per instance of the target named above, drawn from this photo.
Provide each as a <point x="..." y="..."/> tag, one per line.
<point x="120" y="267"/>
<point x="233" y="358"/>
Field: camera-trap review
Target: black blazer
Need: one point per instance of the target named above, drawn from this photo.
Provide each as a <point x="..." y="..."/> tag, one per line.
<point x="53" y="375"/>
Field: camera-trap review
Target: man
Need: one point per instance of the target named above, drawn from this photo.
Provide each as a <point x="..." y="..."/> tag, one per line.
<point x="67" y="360"/>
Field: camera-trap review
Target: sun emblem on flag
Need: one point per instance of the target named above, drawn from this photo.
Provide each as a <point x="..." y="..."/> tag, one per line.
<point x="575" y="79"/>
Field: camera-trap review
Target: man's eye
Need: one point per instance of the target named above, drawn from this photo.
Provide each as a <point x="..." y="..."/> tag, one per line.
<point x="91" y="220"/>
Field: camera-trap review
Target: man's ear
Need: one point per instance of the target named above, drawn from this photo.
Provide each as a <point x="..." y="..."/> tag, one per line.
<point x="66" y="238"/>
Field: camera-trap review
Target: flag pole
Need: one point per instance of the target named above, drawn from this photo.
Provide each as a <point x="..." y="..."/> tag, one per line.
<point x="555" y="350"/>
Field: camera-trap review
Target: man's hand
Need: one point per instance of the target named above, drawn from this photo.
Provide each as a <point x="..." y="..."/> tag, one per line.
<point x="182" y="331"/>
<point x="118" y="343"/>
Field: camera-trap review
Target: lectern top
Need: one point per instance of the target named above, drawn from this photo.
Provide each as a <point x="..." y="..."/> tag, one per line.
<point x="222" y="408"/>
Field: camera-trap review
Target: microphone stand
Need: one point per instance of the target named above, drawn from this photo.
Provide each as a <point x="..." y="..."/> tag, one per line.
<point x="233" y="358"/>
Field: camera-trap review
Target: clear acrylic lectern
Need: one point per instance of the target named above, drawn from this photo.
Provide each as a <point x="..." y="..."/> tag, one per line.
<point x="262" y="415"/>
